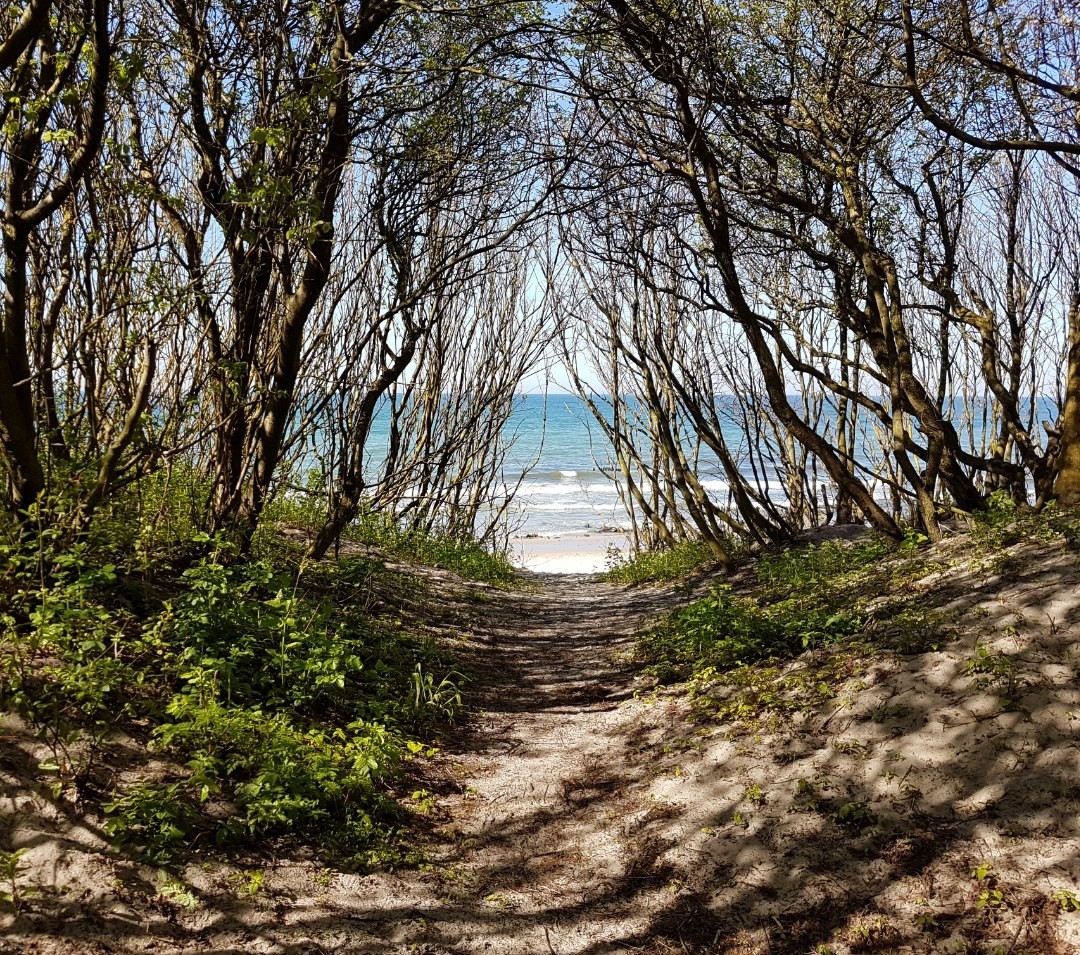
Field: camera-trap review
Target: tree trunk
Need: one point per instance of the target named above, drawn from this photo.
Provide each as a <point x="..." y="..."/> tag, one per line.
<point x="1067" y="482"/>
<point x="18" y="434"/>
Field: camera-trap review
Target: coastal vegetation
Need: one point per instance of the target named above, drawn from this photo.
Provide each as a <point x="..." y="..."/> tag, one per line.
<point x="211" y="743"/>
<point x="651" y="566"/>
<point x="274" y="277"/>
<point x="282" y="693"/>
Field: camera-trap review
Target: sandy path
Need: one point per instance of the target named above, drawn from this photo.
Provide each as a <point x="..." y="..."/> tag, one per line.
<point x="555" y="815"/>
<point x="537" y="841"/>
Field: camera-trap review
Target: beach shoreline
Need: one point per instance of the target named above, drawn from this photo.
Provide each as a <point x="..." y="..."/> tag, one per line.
<point x="578" y="552"/>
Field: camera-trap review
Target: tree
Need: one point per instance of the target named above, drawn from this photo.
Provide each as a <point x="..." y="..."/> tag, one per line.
<point x="54" y="68"/>
<point x="269" y="102"/>
<point x="1019" y="67"/>
<point x="452" y="186"/>
<point x="835" y="224"/>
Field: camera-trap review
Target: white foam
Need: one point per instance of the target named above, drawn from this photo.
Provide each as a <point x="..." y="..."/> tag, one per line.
<point x="531" y="490"/>
<point x="569" y="507"/>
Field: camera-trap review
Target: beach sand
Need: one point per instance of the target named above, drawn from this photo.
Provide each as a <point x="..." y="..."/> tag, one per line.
<point x="585" y="553"/>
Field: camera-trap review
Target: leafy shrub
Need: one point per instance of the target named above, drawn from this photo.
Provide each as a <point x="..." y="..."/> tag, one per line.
<point x="239" y="637"/>
<point x="718" y="631"/>
<point x="808" y="603"/>
<point x="158" y="816"/>
<point x="155" y="519"/>
<point x="1002" y="523"/>
<point x="731" y="649"/>
<point x="723" y="631"/>
<point x="997" y="524"/>
<point x="808" y="567"/>
<point x="654" y="566"/>
<point x="61" y="665"/>
<point x="288" y="704"/>
<point x="278" y="775"/>
<point x="302" y="506"/>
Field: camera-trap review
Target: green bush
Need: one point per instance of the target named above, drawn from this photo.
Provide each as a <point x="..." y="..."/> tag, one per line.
<point x="276" y="774"/>
<point x="723" y="631"/>
<point x="655" y="566"/>
<point x="1002" y="523"/>
<point x="719" y="631"/>
<point x="303" y="506"/>
<point x="240" y="634"/>
<point x="287" y="703"/>
<point x="810" y="597"/>
<point x="157" y="518"/>
<point x="159" y="817"/>
<point x="61" y="663"/>
<point x="731" y="649"/>
<point x="804" y="568"/>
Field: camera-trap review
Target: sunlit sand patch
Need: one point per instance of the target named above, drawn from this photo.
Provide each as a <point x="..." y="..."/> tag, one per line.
<point x="587" y="553"/>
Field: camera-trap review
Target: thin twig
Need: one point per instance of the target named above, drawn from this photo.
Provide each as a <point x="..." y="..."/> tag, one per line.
<point x="547" y="938"/>
<point x="1019" y="929"/>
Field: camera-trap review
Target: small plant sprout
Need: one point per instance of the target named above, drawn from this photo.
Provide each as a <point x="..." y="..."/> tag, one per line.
<point x="990" y="899"/>
<point x="177" y="892"/>
<point x="753" y="793"/>
<point x="249" y="882"/>
<point x="11" y="867"/>
<point x="925" y="921"/>
<point x="424" y="801"/>
<point x="1067" y="900"/>
<point x="982" y="872"/>
<point x="874" y="929"/>
<point x="806" y="795"/>
<point x="855" y="815"/>
<point x="432" y="699"/>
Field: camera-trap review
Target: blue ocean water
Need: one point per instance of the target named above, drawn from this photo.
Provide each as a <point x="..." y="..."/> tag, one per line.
<point x="557" y="444"/>
<point x="560" y="455"/>
<point x="555" y="461"/>
<point x="565" y="455"/>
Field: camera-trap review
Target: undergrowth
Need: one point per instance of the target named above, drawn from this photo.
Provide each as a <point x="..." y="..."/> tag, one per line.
<point x="465" y="557"/>
<point x="655" y="566"/>
<point x="1003" y="523"/>
<point x="281" y="705"/>
<point x="847" y="600"/>
<point x="802" y="604"/>
<point x="734" y="650"/>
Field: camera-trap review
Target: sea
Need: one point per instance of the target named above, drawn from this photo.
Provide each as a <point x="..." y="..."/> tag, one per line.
<point x="567" y="463"/>
<point x="567" y="516"/>
<point x="561" y="463"/>
<point x="563" y="491"/>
